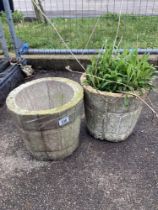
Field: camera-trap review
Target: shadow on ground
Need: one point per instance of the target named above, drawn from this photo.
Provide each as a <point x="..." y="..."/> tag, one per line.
<point x="98" y="176"/>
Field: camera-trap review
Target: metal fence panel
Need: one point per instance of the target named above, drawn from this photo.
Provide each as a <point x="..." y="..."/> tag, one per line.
<point x="87" y="8"/>
<point x="88" y="23"/>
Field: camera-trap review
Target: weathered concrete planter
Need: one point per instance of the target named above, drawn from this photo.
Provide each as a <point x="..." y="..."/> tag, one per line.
<point x="155" y="83"/>
<point x="107" y="116"/>
<point x="48" y="114"/>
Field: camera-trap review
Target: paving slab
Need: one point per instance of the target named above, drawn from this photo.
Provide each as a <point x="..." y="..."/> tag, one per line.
<point x="99" y="176"/>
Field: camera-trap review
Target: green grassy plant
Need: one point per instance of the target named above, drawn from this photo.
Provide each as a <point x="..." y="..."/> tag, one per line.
<point x="18" y="17"/>
<point x="120" y="72"/>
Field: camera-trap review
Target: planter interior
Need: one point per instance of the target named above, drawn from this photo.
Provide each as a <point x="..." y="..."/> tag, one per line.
<point x="45" y="95"/>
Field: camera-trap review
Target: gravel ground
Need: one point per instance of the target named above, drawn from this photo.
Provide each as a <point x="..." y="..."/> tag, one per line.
<point x="98" y="176"/>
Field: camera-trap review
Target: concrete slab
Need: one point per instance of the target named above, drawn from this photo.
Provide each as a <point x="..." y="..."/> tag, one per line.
<point x="98" y="176"/>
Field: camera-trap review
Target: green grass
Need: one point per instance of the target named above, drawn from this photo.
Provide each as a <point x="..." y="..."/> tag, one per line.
<point x="135" y="32"/>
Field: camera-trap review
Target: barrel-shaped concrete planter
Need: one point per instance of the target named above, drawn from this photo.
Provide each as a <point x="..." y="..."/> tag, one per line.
<point x="48" y="114"/>
<point x="107" y="116"/>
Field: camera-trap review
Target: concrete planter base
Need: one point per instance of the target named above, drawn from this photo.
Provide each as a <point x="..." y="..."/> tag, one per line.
<point x="107" y="116"/>
<point x="48" y="114"/>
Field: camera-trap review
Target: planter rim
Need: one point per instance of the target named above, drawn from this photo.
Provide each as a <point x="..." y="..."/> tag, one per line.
<point x="106" y="93"/>
<point x="76" y="98"/>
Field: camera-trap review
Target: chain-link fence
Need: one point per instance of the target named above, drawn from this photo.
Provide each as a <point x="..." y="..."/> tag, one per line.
<point x="87" y="24"/>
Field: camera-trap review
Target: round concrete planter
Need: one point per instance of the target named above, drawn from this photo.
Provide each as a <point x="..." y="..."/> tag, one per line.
<point x="48" y="114"/>
<point x="107" y="117"/>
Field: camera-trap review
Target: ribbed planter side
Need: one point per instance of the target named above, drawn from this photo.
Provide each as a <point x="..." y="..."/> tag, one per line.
<point x="155" y="83"/>
<point x="107" y="117"/>
<point x="48" y="114"/>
